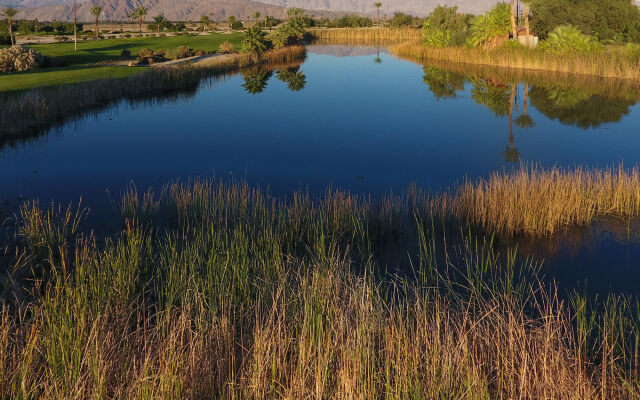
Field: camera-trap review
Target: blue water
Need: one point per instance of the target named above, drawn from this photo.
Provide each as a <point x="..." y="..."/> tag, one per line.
<point x="362" y="123"/>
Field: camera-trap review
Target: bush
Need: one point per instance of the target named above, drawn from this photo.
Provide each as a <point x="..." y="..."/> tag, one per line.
<point x="226" y="47"/>
<point x="61" y="38"/>
<point x="127" y="35"/>
<point x="18" y="58"/>
<point x="569" y="38"/>
<point x="446" y="27"/>
<point x="125" y="53"/>
<point x="144" y="53"/>
<point x="5" y="39"/>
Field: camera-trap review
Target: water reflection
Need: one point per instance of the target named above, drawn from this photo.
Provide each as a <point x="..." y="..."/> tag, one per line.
<point x="295" y="79"/>
<point x="589" y="103"/>
<point x="255" y="81"/>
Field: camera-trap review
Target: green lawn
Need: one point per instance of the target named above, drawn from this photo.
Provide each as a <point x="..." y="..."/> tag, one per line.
<point x="91" y="52"/>
<point x="58" y="76"/>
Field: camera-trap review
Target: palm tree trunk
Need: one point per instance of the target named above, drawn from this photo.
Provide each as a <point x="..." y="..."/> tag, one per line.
<point x="96" y="28"/>
<point x="525" y="104"/>
<point x="378" y="20"/>
<point x="140" y="23"/>
<point x="526" y="23"/>
<point x="512" y="99"/>
<point x="11" y="33"/>
<point x="513" y="21"/>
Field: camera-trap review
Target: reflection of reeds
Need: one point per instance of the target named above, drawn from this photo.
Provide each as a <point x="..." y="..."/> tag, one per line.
<point x="614" y="62"/>
<point x="367" y="34"/>
<point x="39" y="110"/>
<point x="221" y="291"/>
<point x="540" y="201"/>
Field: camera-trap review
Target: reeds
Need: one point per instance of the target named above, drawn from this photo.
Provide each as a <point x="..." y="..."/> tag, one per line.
<point x="215" y="290"/>
<point x="39" y="110"/>
<point x="370" y="34"/>
<point x="540" y="201"/>
<point x="614" y="62"/>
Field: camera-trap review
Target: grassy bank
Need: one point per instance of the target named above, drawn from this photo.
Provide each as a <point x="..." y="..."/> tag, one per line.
<point x="38" y="110"/>
<point x="80" y="64"/>
<point x="614" y="62"/>
<point x="221" y="291"/>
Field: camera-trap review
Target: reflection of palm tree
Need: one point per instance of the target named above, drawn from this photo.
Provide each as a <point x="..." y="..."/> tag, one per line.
<point x="256" y="81"/>
<point x="294" y="79"/>
<point x="511" y="154"/>
<point x="377" y="60"/>
<point x="525" y="121"/>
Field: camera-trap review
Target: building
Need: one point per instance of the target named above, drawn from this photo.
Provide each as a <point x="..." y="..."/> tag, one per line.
<point x="522" y="37"/>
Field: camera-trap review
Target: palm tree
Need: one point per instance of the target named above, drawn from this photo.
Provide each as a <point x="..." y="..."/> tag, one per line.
<point x="205" y="21"/>
<point x="159" y="21"/>
<point x="514" y="28"/>
<point x="140" y="13"/>
<point x="96" y="11"/>
<point x="10" y="12"/>
<point x="256" y="16"/>
<point x="232" y="21"/>
<point x="378" y="5"/>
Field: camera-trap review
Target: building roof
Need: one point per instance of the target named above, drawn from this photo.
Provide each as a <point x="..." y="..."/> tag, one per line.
<point x="522" y="31"/>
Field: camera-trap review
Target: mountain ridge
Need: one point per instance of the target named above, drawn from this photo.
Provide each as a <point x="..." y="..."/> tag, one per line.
<point x="191" y="10"/>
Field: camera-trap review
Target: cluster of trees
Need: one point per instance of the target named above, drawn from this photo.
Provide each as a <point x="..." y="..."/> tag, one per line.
<point x="610" y="20"/>
<point x="161" y="23"/>
<point x="565" y="24"/>
<point x="349" y="21"/>
<point x="290" y="32"/>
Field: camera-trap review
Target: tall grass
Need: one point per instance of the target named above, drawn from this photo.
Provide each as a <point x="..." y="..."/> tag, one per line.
<point x="373" y="34"/>
<point x="614" y="62"/>
<point x="539" y="201"/>
<point x="39" y="110"/>
<point x="215" y="290"/>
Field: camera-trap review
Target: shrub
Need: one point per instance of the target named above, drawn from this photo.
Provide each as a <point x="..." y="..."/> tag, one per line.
<point x="352" y="21"/>
<point x="5" y="39"/>
<point x="125" y="53"/>
<point x="61" y="38"/>
<point x="127" y="35"/>
<point x="226" y="47"/>
<point x="18" y="58"/>
<point x="446" y="27"/>
<point x="400" y="19"/>
<point x="569" y="38"/>
<point x="144" y="53"/>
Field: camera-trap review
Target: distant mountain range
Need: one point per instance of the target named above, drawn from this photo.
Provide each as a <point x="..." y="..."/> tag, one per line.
<point x="185" y="10"/>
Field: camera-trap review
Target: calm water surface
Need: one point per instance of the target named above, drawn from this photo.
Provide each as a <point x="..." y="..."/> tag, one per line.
<point x="352" y="118"/>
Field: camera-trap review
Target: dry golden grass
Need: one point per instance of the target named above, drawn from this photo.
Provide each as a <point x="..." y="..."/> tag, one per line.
<point x="611" y="63"/>
<point x="371" y="34"/>
<point x="540" y="201"/>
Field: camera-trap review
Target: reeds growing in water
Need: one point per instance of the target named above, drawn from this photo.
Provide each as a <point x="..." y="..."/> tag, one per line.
<point x="220" y="290"/>
<point x="538" y="201"/>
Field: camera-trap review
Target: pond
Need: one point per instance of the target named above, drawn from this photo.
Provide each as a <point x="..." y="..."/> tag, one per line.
<point x="353" y="118"/>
